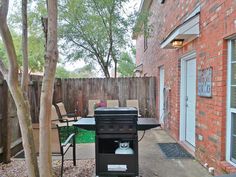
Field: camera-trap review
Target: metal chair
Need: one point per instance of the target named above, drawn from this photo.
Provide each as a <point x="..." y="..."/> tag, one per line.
<point x="63" y="116"/>
<point x="133" y="103"/>
<point x="68" y="142"/>
<point x="91" y="104"/>
<point x="59" y="144"/>
<point x="112" y="103"/>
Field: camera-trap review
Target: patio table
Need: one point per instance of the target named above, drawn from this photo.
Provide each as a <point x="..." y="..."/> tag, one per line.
<point x="142" y="124"/>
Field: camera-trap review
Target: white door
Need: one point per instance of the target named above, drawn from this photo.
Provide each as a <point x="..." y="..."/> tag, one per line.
<point x="190" y="101"/>
<point x="161" y="93"/>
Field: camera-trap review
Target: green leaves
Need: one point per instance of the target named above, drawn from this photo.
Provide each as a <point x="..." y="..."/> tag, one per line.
<point x="143" y="25"/>
<point x="126" y="65"/>
<point x="85" y="72"/>
<point x="93" y="30"/>
<point x="35" y="51"/>
<point x="36" y="41"/>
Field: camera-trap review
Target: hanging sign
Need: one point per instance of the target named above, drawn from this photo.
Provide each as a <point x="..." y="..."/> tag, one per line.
<point x="205" y="82"/>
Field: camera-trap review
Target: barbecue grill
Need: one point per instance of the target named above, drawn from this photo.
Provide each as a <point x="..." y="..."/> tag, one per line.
<point x="116" y="128"/>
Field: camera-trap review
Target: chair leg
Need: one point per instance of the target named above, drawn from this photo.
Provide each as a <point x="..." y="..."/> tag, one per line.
<point x="62" y="163"/>
<point x="74" y="151"/>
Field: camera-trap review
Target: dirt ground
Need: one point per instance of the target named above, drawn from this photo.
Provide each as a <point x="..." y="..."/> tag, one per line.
<point x="17" y="168"/>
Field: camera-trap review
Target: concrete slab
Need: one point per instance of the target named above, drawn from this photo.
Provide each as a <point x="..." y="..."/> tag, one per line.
<point x="83" y="152"/>
<point x="152" y="162"/>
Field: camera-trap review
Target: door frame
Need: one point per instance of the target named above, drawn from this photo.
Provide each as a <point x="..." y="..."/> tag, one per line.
<point x="161" y="68"/>
<point x="229" y="109"/>
<point x="182" y="130"/>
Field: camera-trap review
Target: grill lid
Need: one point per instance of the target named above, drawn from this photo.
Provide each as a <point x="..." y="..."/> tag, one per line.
<point x="115" y="111"/>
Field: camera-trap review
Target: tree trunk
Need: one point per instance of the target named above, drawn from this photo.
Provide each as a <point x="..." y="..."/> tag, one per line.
<point x="23" y="111"/>
<point x="51" y="58"/>
<point x="115" y="68"/>
<point x="106" y="71"/>
<point x="25" y="75"/>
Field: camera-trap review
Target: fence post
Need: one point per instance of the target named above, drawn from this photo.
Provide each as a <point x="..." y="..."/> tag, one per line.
<point x="6" y="125"/>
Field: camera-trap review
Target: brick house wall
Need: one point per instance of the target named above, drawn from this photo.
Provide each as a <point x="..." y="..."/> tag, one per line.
<point x="217" y="22"/>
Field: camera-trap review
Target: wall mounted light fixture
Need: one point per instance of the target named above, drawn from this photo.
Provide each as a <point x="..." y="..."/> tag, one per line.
<point x="177" y="43"/>
<point x="162" y="1"/>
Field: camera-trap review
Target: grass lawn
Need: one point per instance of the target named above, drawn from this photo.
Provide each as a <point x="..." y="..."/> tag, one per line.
<point x="82" y="136"/>
<point x="85" y="136"/>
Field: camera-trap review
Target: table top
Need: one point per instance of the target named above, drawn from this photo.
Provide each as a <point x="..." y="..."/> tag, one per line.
<point x="142" y="124"/>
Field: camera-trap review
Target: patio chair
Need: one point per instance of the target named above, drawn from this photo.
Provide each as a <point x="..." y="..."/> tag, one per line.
<point x="63" y="116"/>
<point x="112" y="103"/>
<point x="59" y="144"/>
<point x="91" y="104"/>
<point x="133" y="103"/>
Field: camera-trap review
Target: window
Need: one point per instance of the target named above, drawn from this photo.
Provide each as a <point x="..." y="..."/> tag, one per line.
<point x="233" y="138"/>
<point x="231" y="113"/>
<point x="233" y="100"/>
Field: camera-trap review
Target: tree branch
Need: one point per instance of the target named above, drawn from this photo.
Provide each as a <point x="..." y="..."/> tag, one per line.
<point x="8" y="42"/>
<point x="110" y="33"/>
<point x="85" y="37"/>
<point x="80" y="28"/>
<point x="4" y="9"/>
<point x="99" y="13"/>
<point x="25" y="75"/>
<point x="84" y="47"/>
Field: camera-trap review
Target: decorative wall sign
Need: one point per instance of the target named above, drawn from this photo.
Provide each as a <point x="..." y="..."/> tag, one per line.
<point x="205" y="82"/>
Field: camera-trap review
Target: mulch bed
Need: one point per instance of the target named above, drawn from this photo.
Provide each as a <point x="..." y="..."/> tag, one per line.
<point x="84" y="168"/>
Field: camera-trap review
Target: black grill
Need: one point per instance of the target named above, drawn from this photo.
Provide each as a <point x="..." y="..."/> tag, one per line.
<point x="114" y="126"/>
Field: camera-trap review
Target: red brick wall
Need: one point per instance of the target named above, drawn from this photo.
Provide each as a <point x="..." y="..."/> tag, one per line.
<point x="217" y="21"/>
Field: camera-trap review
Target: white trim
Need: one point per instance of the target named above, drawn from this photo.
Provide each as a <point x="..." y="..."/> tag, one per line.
<point x="13" y="144"/>
<point x="188" y="31"/>
<point x="161" y="112"/>
<point x="170" y="39"/>
<point x="195" y="11"/>
<point x="229" y="109"/>
<point x="184" y="59"/>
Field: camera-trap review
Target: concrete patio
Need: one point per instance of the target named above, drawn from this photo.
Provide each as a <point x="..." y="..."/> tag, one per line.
<point x="152" y="162"/>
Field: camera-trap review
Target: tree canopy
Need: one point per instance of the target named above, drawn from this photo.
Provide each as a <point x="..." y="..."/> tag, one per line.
<point x="86" y="71"/>
<point x="36" y="39"/>
<point x="95" y="31"/>
<point x="35" y="51"/>
<point x="126" y="64"/>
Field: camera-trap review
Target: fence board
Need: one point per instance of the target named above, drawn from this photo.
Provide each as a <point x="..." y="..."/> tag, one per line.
<point x="77" y="92"/>
<point x="6" y="141"/>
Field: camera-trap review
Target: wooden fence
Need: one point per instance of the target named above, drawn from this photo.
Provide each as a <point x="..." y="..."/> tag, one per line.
<point x="10" y="136"/>
<point x="75" y="94"/>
